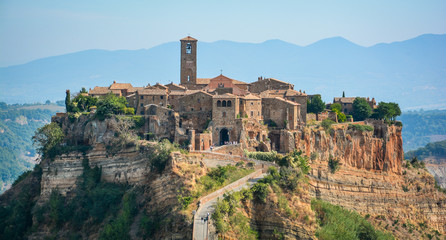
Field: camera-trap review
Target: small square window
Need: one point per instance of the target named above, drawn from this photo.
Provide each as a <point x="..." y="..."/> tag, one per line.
<point x="161" y="97"/>
<point x="142" y="97"/>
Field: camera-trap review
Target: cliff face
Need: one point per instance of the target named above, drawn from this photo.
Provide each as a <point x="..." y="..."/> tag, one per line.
<point x="370" y="179"/>
<point x="378" y="151"/>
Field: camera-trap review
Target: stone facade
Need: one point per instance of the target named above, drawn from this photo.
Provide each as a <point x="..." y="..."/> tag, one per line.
<point x="213" y="111"/>
<point x="284" y="113"/>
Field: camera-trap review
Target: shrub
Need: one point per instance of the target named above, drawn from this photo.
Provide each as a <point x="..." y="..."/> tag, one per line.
<point x="21" y="177"/>
<point x="260" y="191"/>
<point x="339" y="223"/>
<point x="326" y="124"/>
<point x="362" y="128"/>
<point x="333" y="164"/>
<point x="129" y="111"/>
<point x="48" y="138"/>
<point x="272" y="156"/>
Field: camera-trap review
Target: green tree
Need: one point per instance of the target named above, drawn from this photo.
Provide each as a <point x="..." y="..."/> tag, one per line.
<point x="48" y="138"/>
<point x="316" y="105"/>
<point x="110" y="104"/>
<point x="68" y="101"/>
<point x="336" y="106"/>
<point x="343" y="94"/>
<point x="361" y="109"/>
<point x="387" y="111"/>
<point x="83" y="103"/>
<point x="83" y="90"/>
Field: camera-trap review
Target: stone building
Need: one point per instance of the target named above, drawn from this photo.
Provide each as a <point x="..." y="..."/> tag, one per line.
<point x="347" y="103"/>
<point x="203" y="112"/>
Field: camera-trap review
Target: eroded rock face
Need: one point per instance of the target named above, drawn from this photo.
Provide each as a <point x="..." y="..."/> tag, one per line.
<point x="410" y="196"/>
<point x="380" y="150"/>
<point x="129" y="166"/>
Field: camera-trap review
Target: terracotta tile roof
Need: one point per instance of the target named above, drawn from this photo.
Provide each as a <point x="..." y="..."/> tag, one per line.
<point x="99" y="91"/>
<point x="160" y="86"/>
<point x="177" y="93"/>
<point x="134" y="89"/>
<point x="170" y="85"/>
<point x="291" y="93"/>
<point x="223" y="77"/>
<point x="188" y="38"/>
<point x="344" y="99"/>
<point x="284" y="100"/>
<point x="152" y="91"/>
<point x="119" y="86"/>
<point x="203" y="80"/>
<point x="197" y="92"/>
<point x="251" y="97"/>
<point x="226" y="95"/>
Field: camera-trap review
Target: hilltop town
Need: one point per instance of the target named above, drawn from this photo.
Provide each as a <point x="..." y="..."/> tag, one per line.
<point x="205" y="112"/>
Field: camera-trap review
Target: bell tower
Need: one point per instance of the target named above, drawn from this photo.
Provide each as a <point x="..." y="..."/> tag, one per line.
<point x="188" y="73"/>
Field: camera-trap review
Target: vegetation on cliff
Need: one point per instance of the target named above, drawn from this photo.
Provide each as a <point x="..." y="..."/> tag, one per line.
<point x="339" y="223"/>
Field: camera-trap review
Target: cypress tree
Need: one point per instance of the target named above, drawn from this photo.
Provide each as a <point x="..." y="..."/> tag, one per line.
<point x="68" y="101"/>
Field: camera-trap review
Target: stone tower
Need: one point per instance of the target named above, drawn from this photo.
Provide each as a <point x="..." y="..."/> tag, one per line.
<point x="188" y="73"/>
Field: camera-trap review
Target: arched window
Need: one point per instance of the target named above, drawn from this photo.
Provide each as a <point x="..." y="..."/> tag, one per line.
<point x="229" y="103"/>
<point x="218" y="103"/>
<point x="223" y="104"/>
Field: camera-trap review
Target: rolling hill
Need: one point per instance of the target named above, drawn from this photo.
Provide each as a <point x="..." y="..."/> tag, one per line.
<point x="410" y="72"/>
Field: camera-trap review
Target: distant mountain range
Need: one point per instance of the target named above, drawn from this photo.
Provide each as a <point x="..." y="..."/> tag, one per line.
<point x="411" y="72"/>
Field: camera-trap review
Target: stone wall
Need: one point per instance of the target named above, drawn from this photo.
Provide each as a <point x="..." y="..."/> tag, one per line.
<point x="161" y="121"/>
<point x="284" y="113"/>
<point x="199" y="101"/>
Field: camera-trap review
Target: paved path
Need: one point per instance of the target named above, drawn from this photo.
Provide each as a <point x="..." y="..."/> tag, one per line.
<point x="201" y="226"/>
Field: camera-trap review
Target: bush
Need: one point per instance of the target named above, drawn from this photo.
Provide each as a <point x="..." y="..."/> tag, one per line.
<point x="362" y="128"/>
<point x="129" y="111"/>
<point x="260" y="191"/>
<point x="48" y="138"/>
<point x="333" y="164"/>
<point x="339" y="223"/>
<point x="110" y="104"/>
<point x="326" y="124"/>
<point x="272" y="156"/>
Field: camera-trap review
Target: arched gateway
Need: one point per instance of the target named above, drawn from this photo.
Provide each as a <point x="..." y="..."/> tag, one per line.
<point x="224" y="136"/>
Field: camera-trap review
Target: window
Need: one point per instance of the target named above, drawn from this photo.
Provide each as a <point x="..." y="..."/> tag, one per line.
<point x="153" y="98"/>
<point x="258" y="113"/>
<point x="201" y="109"/>
<point x="198" y="100"/>
<point x="191" y="109"/>
<point x="188" y="48"/>
<point x="161" y="97"/>
<point x="292" y="99"/>
<point x="142" y="97"/>
<point x="218" y="103"/>
<point x="229" y="103"/>
<point x="188" y="78"/>
<point x="142" y="112"/>
<point x="252" y="114"/>
<point x="223" y="114"/>
<point x="252" y="103"/>
<point x="223" y="104"/>
<point x="142" y="105"/>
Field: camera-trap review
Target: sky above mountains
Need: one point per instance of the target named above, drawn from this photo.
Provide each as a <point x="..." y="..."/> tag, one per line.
<point x="32" y="29"/>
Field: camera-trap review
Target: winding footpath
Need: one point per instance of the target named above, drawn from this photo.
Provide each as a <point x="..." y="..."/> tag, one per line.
<point x="207" y="203"/>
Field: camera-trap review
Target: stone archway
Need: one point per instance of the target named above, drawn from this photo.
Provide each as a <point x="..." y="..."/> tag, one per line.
<point x="224" y="136"/>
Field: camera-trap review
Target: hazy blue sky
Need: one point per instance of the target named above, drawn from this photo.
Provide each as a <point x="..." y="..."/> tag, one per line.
<point x="31" y="29"/>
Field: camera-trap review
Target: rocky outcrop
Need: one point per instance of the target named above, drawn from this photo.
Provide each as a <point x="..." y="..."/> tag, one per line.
<point x="380" y="150"/>
<point x="129" y="166"/>
<point x="410" y="196"/>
